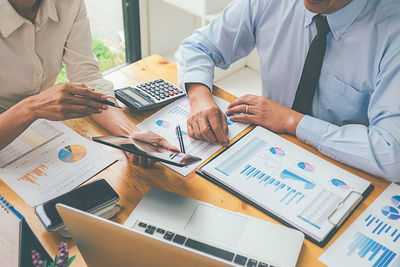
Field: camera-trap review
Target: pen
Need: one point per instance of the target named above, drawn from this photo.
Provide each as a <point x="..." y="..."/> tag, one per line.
<point x="180" y="139"/>
<point x="107" y="102"/>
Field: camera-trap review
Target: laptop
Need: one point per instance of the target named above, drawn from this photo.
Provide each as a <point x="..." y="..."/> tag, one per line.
<point x="168" y="229"/>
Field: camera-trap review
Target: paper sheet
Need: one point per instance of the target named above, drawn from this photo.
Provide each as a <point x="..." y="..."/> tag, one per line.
<point x="373" y="239"/>
<point x="48" y="160"/>
<point x="165" y="120"/>
<point x="286" y="180"/>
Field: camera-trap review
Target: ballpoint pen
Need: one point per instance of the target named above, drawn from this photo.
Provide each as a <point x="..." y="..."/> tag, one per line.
<point x="180" y="139"/>
<point x="107" y="102"/>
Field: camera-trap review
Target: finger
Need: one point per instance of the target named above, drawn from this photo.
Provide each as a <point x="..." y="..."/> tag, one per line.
<point x="247" y="99"/>
<point x="246" y="118"/>
<point x="238" y="109"/>
<point x="206" y="132"/>
<point x="196" y="130"/>
<point x="85" y="102"/>
<point x="150" y="162"/>
<point x="134" y="158"/>
<point x="164" y="143"/>
<point x="190" y="130"/>
<point x="76" y="90"/>
<point x="142" y="161"/>
<point x="224" y="122"/>
<point x="216" y="123"/>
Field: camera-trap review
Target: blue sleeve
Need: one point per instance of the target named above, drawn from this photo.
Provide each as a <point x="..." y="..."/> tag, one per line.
<point x="374" y="148"/>
<point x="228" y="38"/>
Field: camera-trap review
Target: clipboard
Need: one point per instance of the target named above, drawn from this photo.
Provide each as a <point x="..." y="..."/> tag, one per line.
<point x="337" y="217"/>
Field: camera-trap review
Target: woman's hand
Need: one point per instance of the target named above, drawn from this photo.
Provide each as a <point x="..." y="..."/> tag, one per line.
<point x="155" y="140"/>
<point x="263" y="111"/>
<point x="65" y="101"/>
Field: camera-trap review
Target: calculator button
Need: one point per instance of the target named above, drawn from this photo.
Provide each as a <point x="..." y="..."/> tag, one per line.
<point x="171" y="93"/>
<point x="175" y="92"/>
<point x="162" y="96"/>
<point x="159" y="80"/>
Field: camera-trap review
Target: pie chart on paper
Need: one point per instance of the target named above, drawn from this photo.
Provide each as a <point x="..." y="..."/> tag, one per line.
<point x="72" y="153"/>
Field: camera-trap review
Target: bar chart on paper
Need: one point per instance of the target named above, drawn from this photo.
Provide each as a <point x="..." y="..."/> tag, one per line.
<point x="371" y="250"/>
<point x="374" y="238"/>
<point x="277" y="177"/>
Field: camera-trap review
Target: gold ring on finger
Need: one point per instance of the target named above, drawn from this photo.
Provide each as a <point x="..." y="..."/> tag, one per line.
<point x="247" y="109"/>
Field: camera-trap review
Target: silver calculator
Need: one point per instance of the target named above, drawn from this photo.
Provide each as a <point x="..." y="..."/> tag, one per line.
<point x="149" y="95"/>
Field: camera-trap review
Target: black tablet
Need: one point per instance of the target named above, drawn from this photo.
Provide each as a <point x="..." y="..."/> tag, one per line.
<point x="147" y="150"/>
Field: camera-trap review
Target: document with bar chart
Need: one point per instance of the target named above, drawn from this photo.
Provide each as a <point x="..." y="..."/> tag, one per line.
<point x="284" y="180"/>
<point x="165" y="120"/>
<point x="49" y="159"/>
<point x="374" y="238"/>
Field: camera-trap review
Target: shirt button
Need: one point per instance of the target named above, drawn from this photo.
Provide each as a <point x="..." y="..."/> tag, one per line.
<point x="337" y="32"/>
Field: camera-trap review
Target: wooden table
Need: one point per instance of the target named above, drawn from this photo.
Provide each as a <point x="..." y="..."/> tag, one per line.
<point x="132" y="182"/>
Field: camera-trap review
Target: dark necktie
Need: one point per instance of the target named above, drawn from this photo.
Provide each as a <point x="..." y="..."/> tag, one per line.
<point x="312" y="68"/>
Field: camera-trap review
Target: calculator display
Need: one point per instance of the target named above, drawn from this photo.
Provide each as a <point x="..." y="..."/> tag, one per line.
<point x="136" y="97"/>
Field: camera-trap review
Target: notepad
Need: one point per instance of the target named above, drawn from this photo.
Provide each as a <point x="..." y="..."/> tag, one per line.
<point x="291" y="184"/>
<point x="16" y="238"/>
<point x="10" y="231"/>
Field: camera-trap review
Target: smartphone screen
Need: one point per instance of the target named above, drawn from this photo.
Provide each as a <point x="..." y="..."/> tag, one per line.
<point x="87" y="198"/>
<point x="148" y="150"/>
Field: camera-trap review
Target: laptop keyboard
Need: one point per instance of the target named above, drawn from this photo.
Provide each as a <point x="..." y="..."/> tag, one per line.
<point x="229" y="256"/>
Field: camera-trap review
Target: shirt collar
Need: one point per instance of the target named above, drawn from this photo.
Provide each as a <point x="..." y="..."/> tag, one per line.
<point x="340" y="20"/>
<point x="10" y="20"/>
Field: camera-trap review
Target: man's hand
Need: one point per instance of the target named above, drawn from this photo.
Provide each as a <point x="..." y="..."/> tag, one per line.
<point x="155" y="140"/>
<point x="206" y="121"/>
<point x="66" y="101"/>
<point x="265" y="112"/>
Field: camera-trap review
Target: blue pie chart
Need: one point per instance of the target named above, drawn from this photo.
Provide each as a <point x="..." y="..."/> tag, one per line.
<point x="391" y="213"/>
<point x="396" y="201"/>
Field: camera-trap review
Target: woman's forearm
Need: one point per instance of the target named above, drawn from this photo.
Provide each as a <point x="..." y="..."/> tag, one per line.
<point x="15" y="120"/>
<point x="115" y="121"/>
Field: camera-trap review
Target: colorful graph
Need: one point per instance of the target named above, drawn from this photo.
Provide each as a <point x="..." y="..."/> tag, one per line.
<point x="391" y="213"/>
<point x="340" y="184"/>
<point x="288" y="193"/>
<point x="234" y="162"/>
<point x="33" y="176"/>
<point x="371" y="251"/>
<point x="162" y="123"/>
<point x="72" y="153"/>
<point x="306" y="166"/>
<point x="286" y="174"/>
<point x="396" y="201"/>
<point x="277" y="151"/>
<point x="380" y="227"/>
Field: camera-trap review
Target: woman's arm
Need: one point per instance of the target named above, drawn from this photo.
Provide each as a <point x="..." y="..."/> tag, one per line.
<point x="60" y="102"/>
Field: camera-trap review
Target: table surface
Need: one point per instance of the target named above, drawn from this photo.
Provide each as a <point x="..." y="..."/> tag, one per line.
<point x="132" y="182"/>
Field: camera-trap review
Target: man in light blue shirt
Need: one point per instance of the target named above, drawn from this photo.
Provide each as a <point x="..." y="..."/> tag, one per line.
<point x="355" y="113"/>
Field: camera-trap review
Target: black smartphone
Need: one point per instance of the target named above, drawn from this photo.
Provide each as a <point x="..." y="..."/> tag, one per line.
<point x="148" y="150"/>
<point x="89" y="198"/>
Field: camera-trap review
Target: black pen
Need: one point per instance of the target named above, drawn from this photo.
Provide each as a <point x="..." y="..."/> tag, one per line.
<point x="180" y="139"/>
<point x="107" y="102"/>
